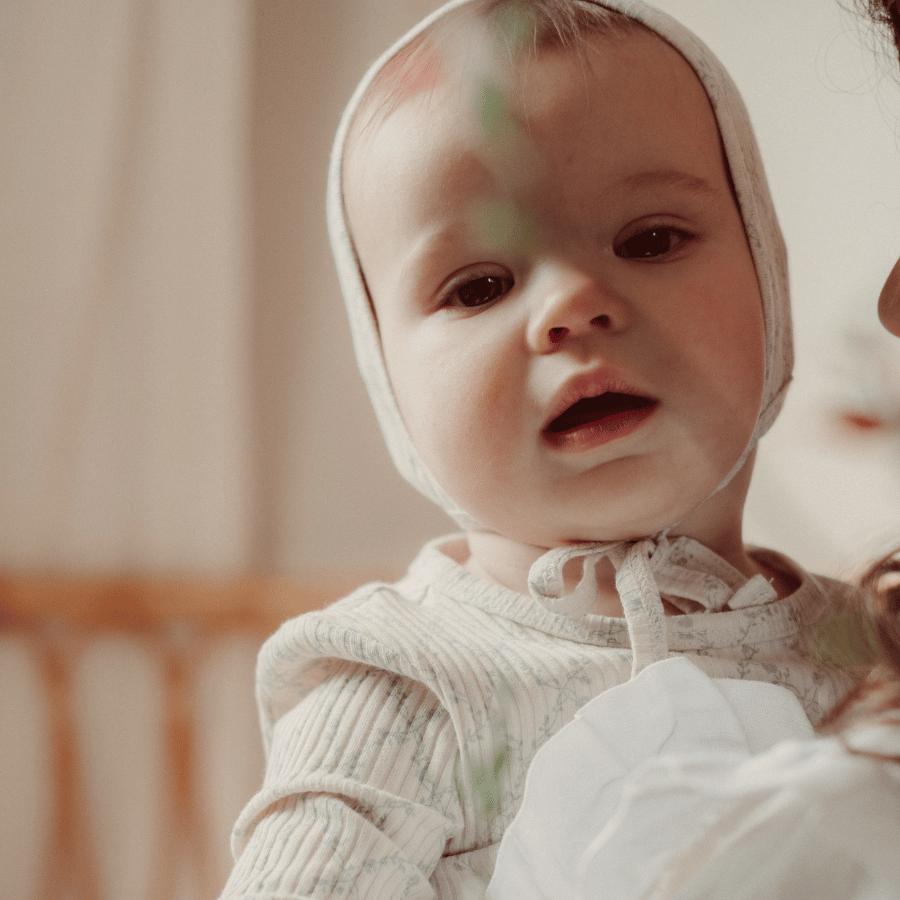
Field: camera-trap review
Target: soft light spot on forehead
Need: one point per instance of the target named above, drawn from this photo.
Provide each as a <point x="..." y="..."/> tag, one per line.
<point x="413" y="74"/>
<point x="505" y="227"/>
<point x="502" y="131"/>
<point x="565" y="82"/>
<point x="564" y="86"/>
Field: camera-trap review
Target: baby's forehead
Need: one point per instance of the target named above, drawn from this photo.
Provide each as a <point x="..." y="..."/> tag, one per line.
<point x="487" y="55"/>
<point x="459" y="87"/>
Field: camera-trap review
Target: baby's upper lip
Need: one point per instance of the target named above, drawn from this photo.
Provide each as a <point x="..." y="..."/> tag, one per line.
<point x="591" y="384"/>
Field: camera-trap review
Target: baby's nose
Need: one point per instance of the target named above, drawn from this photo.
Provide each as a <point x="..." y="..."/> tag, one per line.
<point x="558" y="332"/>
<point x="573" y="305"/>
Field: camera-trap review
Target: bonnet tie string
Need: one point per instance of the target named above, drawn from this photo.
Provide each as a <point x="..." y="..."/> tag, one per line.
<point x="692" y="577"/>
<point x="635" y="583"/>
<point x="641" y="602"/>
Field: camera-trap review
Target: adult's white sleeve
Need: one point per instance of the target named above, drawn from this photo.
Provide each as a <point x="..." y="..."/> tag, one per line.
<point x="806" y="819"/>
<point x="576" y="779"/>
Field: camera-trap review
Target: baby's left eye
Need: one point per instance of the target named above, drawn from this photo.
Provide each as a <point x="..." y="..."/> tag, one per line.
<point x="651" y="242"/>
<point x="480" y="291"/>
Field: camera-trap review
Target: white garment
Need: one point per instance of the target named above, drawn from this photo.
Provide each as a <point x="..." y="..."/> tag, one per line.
<point x="685" y="805"/>
<point x="707" y="818"/>
<point x="575" y="781"/>
<point x="807" y="819"/>
<point x="400" y="722"/>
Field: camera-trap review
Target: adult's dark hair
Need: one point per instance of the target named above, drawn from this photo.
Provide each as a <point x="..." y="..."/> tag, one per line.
<point x="885" y="13"/>
<point x="881" y="597"/>
<point x="874" y="639"/>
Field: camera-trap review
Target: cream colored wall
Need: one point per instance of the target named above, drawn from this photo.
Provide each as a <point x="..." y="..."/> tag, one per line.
<point x="176" y="382"/>
<point x="126" y="273"/>
<point x="329" y="498"/>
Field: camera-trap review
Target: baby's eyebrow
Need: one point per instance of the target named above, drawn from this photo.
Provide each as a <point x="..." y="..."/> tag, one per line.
<point x="431" y="246"/>
<point x="671" y="178"/>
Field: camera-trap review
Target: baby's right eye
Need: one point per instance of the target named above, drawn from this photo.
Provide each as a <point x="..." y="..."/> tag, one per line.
<point x="652" y="243"/>
<point x="479" y="291"/>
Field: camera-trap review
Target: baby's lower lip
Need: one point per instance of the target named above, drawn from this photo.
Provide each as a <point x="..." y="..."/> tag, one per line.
<point x="602" y="431"/>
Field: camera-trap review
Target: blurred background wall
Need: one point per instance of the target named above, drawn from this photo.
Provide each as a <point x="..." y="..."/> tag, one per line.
<point x="178" y="396"/>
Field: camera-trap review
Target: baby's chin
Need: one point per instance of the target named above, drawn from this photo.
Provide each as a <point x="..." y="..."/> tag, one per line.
<point x="606" y="532"/>
<point x="702" y="513"/>
<point x="551" y="539"/>
<point x="695" y="509"/>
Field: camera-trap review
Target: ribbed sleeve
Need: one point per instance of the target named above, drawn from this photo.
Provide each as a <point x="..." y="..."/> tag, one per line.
<point x="359" y="797"/>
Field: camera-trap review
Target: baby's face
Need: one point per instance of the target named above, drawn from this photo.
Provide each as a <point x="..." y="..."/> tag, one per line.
<point x="567" y="304"/>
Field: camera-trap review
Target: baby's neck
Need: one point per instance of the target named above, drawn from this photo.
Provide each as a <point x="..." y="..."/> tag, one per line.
<point x="503" y="561"/>
<point x="508" y="562"/>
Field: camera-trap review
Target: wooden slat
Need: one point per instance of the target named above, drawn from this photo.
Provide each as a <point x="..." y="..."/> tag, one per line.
<point x="71" y="869"/>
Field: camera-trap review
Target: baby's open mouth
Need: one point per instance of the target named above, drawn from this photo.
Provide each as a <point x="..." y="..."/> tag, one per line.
<point x="606" y="409"/>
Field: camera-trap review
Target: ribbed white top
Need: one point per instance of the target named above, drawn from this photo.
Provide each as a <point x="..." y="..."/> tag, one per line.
<point x="400" y="722"/>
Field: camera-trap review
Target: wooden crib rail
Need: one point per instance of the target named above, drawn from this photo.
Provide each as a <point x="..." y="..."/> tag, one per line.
<point x="175" y="619"/>
<point x="134" y="602"/>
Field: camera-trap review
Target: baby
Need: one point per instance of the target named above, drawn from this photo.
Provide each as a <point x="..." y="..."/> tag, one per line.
<point x="567" y="290"/>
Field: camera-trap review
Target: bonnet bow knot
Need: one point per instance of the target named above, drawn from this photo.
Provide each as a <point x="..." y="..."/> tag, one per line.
<point x="635" y="582"/>
<point x="688" y="574"/>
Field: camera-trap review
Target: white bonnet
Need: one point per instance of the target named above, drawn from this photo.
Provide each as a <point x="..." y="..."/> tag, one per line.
<point x="755" y="203"/>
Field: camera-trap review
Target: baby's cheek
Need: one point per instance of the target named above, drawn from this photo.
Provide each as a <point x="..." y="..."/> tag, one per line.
<point x="438" y="417"/>
<point x="464" y="451"/>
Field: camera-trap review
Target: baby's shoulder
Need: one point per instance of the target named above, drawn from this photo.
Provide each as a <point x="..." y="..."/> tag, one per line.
<point x="374" y="620"/>
<point x="354" y="627"/>
<point x="404" y="629"/>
